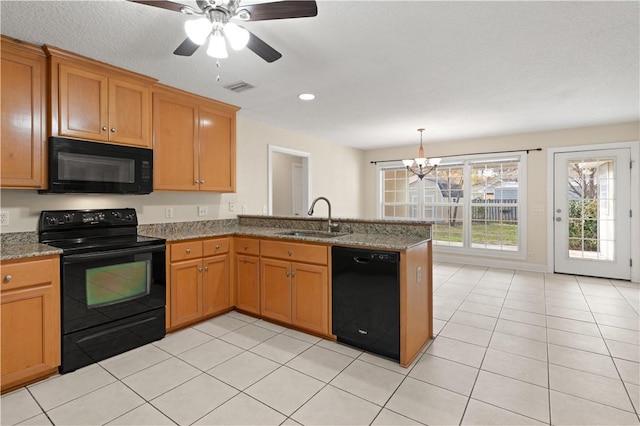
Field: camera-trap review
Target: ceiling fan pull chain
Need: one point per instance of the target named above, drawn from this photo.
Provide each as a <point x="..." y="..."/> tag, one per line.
<point x="218" y="68"/>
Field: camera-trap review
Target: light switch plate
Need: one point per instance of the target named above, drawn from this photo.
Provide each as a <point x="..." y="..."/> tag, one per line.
<point x="203" y="210"/>
<point x="4" y="218"/>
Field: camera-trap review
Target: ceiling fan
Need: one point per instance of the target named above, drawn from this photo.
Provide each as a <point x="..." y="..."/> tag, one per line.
<point x="215" y="23"/>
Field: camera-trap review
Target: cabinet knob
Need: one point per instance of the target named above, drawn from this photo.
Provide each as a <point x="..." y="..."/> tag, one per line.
<point x="196" y="181"/>
<point x="288" y="273"/>
<point x="217" y="246"/>
<point x="290" y="252"/>
<point x="105" y="128"/>
<point x="113" y="130"/>
<point x="202" y="181"/>
<point x="246" y="246"/>
<point x="244" y="260"/>
<point x="293" y="273"/>
<point x="188" y="251"/>
<point x="206" y="268"/>
<point x="8" y="278"/>
<point x="200" y="269"/>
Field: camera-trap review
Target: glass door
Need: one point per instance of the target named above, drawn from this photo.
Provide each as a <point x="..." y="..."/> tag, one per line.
<point x="591" y="213"/>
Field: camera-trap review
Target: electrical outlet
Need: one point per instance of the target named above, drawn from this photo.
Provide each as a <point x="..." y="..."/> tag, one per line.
<point x="203" y="211"/>
<point x="4" y="218"/>
<point x="232" y="207"/>
<point x="419" y="274"/>
<point x="264" y="210"/>
<point x="168" y="212"/>
<point x="245" y="209"/>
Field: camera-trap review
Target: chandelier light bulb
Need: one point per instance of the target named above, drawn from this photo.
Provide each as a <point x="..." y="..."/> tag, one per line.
<point x="217" y="46"/>
<point x="238" y="37"/>
<point x="198" y="30"/>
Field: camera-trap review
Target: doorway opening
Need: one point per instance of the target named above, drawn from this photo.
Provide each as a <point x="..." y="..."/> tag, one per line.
<point x="289" y="181"/>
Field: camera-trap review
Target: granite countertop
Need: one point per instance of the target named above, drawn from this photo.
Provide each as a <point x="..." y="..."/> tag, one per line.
<point x="20" y="251"/>
<point x="355" y="233"/>
<point x="382" y="241"/>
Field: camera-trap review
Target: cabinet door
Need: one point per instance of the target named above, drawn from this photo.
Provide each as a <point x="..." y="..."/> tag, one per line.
<point x="248" y="283"/>
<point x="30" y="321"/>
<point x="310" y="293"/>
<point x="129" y="111"/>
<point x="175" y="133"/>
<point x="186" y="292"/>
<point x="275" y="288"/>
<point x="22" y="133"/>
<point x="215" y="285"/>
<point x="217" y="151"/>
<point x="83" y="103"/>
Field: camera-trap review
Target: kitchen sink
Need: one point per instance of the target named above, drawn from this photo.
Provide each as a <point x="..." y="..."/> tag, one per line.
<point x="313" y="234"/>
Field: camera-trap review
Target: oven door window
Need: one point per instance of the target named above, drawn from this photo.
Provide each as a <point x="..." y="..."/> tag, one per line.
<point x="101" y="287"/>
<point x="111" y="284"/>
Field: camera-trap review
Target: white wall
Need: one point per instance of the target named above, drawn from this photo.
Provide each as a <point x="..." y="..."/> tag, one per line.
<point x="281" y="170"/>
<point x="335" y="173"/>
<point x="536" y="169"/>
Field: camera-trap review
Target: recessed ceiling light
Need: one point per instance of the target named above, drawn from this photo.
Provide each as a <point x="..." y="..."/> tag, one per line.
<point x="307" y="96"/>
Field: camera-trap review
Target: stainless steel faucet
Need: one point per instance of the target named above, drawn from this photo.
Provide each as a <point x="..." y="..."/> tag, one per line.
<point x="330" y="226"/>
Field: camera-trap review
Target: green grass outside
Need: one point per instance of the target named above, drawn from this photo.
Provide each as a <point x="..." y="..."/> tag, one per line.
<point x="491" y="233"/>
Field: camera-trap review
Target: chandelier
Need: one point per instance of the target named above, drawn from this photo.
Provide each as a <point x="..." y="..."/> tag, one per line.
<point x="216" y="27"/>
<point x="421" y="165"/>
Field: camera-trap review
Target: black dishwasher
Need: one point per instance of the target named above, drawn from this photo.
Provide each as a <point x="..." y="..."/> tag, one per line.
<point x="366" y="299"/>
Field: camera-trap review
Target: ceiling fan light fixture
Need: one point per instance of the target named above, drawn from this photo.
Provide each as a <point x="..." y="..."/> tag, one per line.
<point x="238" y="37"/>
<point x="198" y="30"/>
<point x="217" y="46"/>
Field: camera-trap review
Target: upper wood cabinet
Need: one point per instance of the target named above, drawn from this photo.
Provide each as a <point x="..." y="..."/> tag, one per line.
<point x="23" y="125"/>
<point x="95" y="101"/>
<point x="194" y="142"/>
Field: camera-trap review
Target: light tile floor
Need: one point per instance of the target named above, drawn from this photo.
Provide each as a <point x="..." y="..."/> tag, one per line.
<point x="512" y="347"/>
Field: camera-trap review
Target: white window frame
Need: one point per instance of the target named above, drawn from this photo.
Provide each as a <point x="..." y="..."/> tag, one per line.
<point x="467" y="160"/>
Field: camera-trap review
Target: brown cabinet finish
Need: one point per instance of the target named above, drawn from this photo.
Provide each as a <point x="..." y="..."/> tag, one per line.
<point x="194" y="142"/>
<point x="199" y="280"/>
<point x="275" y="289"/>
<point x="247" y="274"/>
<point x="294" y="282"/>
<point x="95" y="101"/>
<point x="23" y="105"/>
<point x="30" y="314"/>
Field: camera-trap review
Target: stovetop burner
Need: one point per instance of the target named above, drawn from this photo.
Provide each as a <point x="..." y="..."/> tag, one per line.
<point x="83" y="231"/>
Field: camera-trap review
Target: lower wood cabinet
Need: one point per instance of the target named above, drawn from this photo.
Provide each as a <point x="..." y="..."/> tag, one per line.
<point x="247" y="275"/>
<point x="30" y="298"/>
<point x="199" y="280"/>
<point x="292" y="291"/>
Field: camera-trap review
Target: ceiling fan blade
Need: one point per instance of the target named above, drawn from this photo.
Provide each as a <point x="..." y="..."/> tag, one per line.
<point x="281" y="10"/>
<point x="186" y="48"/>
<point x="163" y="4"/>
<point x="262" y="49"/>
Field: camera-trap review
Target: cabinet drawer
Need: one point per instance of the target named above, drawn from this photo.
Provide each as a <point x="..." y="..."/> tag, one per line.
<point x="308" y="253"/>
<point x="186" y="251"/>
<point x="216" y="246"/>
<point x="28" y="273"/>
<point x="248" y="246"/>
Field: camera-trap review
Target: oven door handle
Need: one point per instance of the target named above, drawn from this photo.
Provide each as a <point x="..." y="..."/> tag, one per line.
<point x="73" y="258"/>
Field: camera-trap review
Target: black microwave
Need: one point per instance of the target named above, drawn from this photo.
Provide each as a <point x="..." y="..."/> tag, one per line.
<point x="93" y="167"/>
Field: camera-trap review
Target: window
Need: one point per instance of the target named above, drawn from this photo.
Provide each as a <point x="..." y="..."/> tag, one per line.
<point x="476" y="204"/>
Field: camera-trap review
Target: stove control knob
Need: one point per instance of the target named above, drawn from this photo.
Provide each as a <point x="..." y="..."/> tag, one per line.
<point x="52" y="221"/>
<point x="117" y="215"/>
<point x="129" y="217"/>
<point x="67" y="217"/>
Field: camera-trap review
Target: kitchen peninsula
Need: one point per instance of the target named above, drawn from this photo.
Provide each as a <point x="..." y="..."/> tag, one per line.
<point x="257" y="248"/>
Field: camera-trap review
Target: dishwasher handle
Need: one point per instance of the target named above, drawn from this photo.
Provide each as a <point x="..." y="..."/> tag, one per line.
<point x="362" y="260"/>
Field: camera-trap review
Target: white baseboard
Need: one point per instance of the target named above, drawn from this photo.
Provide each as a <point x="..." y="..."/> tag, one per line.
<point x="488" y="262"/>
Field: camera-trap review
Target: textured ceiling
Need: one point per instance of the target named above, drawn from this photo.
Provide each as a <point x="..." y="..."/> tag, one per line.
<point x="381" y="69"/>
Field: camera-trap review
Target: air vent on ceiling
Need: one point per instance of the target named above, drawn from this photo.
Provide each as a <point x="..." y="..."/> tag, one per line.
<point x="240" y="86"/>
